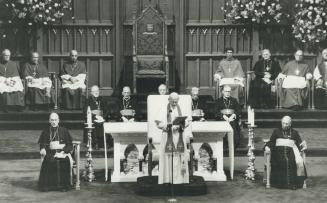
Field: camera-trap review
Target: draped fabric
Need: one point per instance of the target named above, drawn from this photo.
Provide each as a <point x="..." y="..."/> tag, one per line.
<point x="11" y="86"/>
<point x="231" y="104"/>
<point x="260" y="95"/>
<point x="180" y="159"/>
<point x="55" y="172"/>
<point x="73" y="94"/>
<point x="38" y="84"/>
<point x="285" y="172"/>
<point x="230" y="70"/>
<point x="320" y="93"/>
<point x="294" y="96"/>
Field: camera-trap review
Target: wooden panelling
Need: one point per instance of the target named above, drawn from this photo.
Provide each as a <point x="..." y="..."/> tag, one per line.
<point x="101" y="31"/>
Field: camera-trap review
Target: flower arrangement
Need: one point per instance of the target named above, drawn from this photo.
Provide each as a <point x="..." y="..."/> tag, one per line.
<point x="42" y="12"/>
<point x="310" y="24"/>
<point x="255" y="11"/>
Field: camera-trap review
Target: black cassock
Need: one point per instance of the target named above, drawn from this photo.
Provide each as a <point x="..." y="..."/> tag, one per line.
<point x="55" y="173"/>
<point x="199" y="103"/>
<point x="223" y="107"/>
<point x="283" y="164"/>
<point x="97" y="133"/>
<point x="260" y="92"/>
<point x="129" y="103"/>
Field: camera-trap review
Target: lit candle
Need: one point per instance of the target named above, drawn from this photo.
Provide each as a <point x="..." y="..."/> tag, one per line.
<point x="252" y="117"/>
<point x="249" y="114"/>
<point x="89" y="117"/>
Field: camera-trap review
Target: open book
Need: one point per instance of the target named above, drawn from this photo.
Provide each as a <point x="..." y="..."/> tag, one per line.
<point x="179" y="120"/>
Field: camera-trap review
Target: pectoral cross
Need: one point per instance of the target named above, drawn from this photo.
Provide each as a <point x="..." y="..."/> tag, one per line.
<point x="34" y="74"/>
<point x="170" y="147"/>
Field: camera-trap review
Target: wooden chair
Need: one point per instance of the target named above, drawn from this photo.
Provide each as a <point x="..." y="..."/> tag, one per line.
<point x="76" y="164"/>
<point x="267" y="166"/>
<point x="311" y="92"/>
<point x="57" y="87"/>
<point x="150" y="56"/>
<point x="75" y="179"/>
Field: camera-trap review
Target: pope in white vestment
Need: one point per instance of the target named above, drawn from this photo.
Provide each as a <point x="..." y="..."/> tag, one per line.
<point x="173" y="139"/>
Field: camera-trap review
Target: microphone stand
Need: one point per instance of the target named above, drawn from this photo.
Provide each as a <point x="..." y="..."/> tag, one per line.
<point x="172" y="199"/>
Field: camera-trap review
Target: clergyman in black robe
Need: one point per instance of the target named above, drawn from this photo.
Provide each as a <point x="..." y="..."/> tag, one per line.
<point x="198" y="105"/>
<point x="287" y="167"/>
<point x="266" y="70"/>
<point x="228" y="109"/>
<point x="55" y="146"/>
<point x="127" y="108"/>
<point x="38" y="92"/>
<point x="73" y="76"/>
<point x="11" y="86"/>
<point x="98" y="109"/>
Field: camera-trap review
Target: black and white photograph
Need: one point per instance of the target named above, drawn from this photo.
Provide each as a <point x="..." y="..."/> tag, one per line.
<point x="153" y="101"/>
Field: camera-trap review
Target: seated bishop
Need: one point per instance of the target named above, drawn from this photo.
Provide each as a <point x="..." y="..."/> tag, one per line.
<point x="230" y="73"/>
<point x="287" y="166"/>
<point x="162" y="89"/>
<point x="55" y="148"/>
<point x="38" y="92"/>
<point x="97" y="105"/>
<point x="198" y="105"/>
<point x="266" y="70"/>
<point x="11" y="86"/>
<point x="320" y="76"/>
<point x="228" y="109"/>
<point x="73" y="76"/>
<point x="295" y="76"/>
<point x="127" y="106"/>
<point x="173" y="142"/>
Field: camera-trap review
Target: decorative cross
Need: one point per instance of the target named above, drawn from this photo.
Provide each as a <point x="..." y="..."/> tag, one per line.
<point x="170" y="147"/>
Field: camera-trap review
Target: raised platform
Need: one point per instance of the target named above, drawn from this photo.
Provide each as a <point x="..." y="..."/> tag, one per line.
<point x="148" y="186"/>
<point x="265" y="118"/>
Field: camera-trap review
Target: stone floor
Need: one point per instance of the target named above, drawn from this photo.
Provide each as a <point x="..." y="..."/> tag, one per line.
<point x="18" y="183"/>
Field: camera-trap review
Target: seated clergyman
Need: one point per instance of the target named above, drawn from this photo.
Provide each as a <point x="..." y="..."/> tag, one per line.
<point x="230" y="72"/>
<point x="162" y="89"/>
<point x="295" y="75"/>
<point x="98" y="109"/>
<point x="266" y="70"/>
<point x="38" y="83"/>
<point x="228" y="109"/>
<point x="73" y="76"/>
<point x="287" y="166"/>
<point x="127" y="106"/>
<point x="55" y="148"/>
<point x="11" y="86"/>
<point x="197" y="105"/>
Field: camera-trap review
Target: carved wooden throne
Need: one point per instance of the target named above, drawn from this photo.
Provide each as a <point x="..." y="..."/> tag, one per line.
<point x="150" y="58"/>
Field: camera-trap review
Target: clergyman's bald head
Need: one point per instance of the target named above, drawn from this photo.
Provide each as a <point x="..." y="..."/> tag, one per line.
<point x="286" y="122"/>
<point x="162" y="89"/>
<point x="173" y="99"/>
<point x="95" y="91"/>
<point x="54" y="119"/>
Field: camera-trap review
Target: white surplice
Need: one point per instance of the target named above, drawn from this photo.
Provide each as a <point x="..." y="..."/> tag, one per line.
<point x="180" y="160"/>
